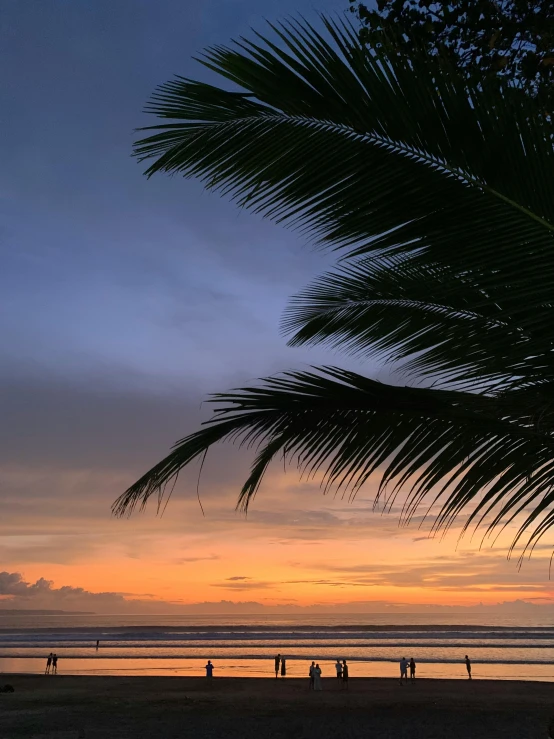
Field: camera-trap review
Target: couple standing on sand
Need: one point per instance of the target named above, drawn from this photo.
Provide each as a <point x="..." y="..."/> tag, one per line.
<point x="404" y="664"/>
<point x="280" y="662"/>
<point x="315" y="677"/>
<point x="51" y="661"/>
<point x="342" y="672"/>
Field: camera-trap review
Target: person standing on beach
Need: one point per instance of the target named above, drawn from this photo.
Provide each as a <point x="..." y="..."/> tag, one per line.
<point x="312" y="675"/>
<point x="97" y="644"/>
<point x="403" y="670"/>
<point x="283" y="667"/>
<point x="277" y="663"/>
<point x="48" y="663"/>
<point x="54" y="664"/>
<point x="317" y="677"/>
<point x="338" y="668"/>
<point x="209" y="669"/>
<point x="468" y="667"/>
<point x="412" y="668"/>
<point x="344" y="674"/>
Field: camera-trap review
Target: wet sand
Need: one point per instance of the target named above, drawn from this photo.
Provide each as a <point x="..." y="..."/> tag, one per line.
<point x="69" y="707"/>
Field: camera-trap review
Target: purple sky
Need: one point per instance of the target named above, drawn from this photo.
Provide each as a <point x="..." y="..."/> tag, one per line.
<point x="123" y="297"/>
<point x="112" y="284"/>
<point x="151" y="284"/>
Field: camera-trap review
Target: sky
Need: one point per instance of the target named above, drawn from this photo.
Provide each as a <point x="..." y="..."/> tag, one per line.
<point x="125" y="301"/>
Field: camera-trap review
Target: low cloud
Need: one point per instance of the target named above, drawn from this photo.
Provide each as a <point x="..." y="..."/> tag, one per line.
<point x="184" y="560"/>
<point x="244" y="583"/>
<point x="16" y="592"/>
<point x="487" y="572"/>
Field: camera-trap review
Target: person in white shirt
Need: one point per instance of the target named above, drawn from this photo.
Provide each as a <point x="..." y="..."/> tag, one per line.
<point x="403" y="670"/>
<point x="338" y="668"/>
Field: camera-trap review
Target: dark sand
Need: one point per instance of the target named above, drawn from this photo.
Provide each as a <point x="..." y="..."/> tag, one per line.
<point x="64" y="707"/>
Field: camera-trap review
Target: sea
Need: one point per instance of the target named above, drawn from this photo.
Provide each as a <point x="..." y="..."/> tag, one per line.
<point x="507" y="647"/>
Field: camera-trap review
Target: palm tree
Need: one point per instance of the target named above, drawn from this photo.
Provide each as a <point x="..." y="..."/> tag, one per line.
<point x="439" y="201"/>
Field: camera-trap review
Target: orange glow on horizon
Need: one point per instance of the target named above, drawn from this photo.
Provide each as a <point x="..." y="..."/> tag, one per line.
<point x="296" y="547"/>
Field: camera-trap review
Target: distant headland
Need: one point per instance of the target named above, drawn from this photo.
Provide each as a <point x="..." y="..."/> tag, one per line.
<point x="42" y="612"/>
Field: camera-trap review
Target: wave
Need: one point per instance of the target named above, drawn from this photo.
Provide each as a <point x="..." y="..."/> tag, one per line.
<point x="107" y="645"/>
<point x="163" y="637"/>
<point x="296" y="629"/>
<point x="430" y="643"/>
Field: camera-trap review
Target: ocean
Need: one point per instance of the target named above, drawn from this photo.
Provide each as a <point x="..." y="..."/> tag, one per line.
<point x="505" y="647"/>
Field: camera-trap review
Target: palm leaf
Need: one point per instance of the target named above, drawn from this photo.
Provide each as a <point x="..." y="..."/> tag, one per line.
<point x="394" y="308"/>
<point x="346" y="427"/>
<point x="372" y="154"/>
<point x="439" y="198"/>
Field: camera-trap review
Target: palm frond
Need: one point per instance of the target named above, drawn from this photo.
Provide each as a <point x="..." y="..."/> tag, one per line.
<point x="373" y="155"/>
<point x="439" y="197"/>
<point x="429" y="444"/>
<point x="401" y="310"/>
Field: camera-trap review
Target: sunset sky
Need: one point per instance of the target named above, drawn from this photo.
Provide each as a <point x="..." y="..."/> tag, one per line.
<point x="125" y="302"/>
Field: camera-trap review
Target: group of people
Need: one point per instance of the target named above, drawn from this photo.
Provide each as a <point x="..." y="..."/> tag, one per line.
<point x="51" y="664"/>
<point x="411" y="665"/>
<point x="314" y="673"/>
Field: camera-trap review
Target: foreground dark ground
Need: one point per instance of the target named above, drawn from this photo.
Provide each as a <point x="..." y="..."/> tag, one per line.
<point x="65" y="707"/>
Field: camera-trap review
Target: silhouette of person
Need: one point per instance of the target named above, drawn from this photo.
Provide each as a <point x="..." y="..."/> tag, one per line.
<point x="277" y="663"/>
<point x="403" y="670"/>
<point x="317" y="677"/>
<point x="54" y="664"/>
<point x="209" y="669"/>
<point x="344" y="674"/>
<point x="283" y="666"/>
<point x="468" y="667"/>
<point x="338" y="668"/>
<point x="312" y="675"/>
<point x="48" y="663"/>
<point x="412" y="668"/>
<point x="97" y="644"/>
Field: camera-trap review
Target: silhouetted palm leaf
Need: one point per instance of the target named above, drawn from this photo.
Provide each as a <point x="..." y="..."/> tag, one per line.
<point x="397" y="309"/>
<point x="440" y="200"/>
<point x="349" y="426"/>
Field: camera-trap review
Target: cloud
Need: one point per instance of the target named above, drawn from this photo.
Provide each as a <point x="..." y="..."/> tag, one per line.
<point x="12" y="583"/>
<point x="242" y="585"/>
<point x="238" y="577"/>
<point x="18" y="593"/>
<point x="328" y="583"/>
<point x="42" y="594"/>
<point x="467" y="571"/>
<point x="208" y="558"/>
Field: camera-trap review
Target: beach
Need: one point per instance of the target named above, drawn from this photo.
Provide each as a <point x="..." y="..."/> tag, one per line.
<point x="83" y="707"/>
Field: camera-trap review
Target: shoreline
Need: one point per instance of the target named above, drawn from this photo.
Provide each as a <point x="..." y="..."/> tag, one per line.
<point x="92" y="707"/>
<point x="238" y="667"/>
